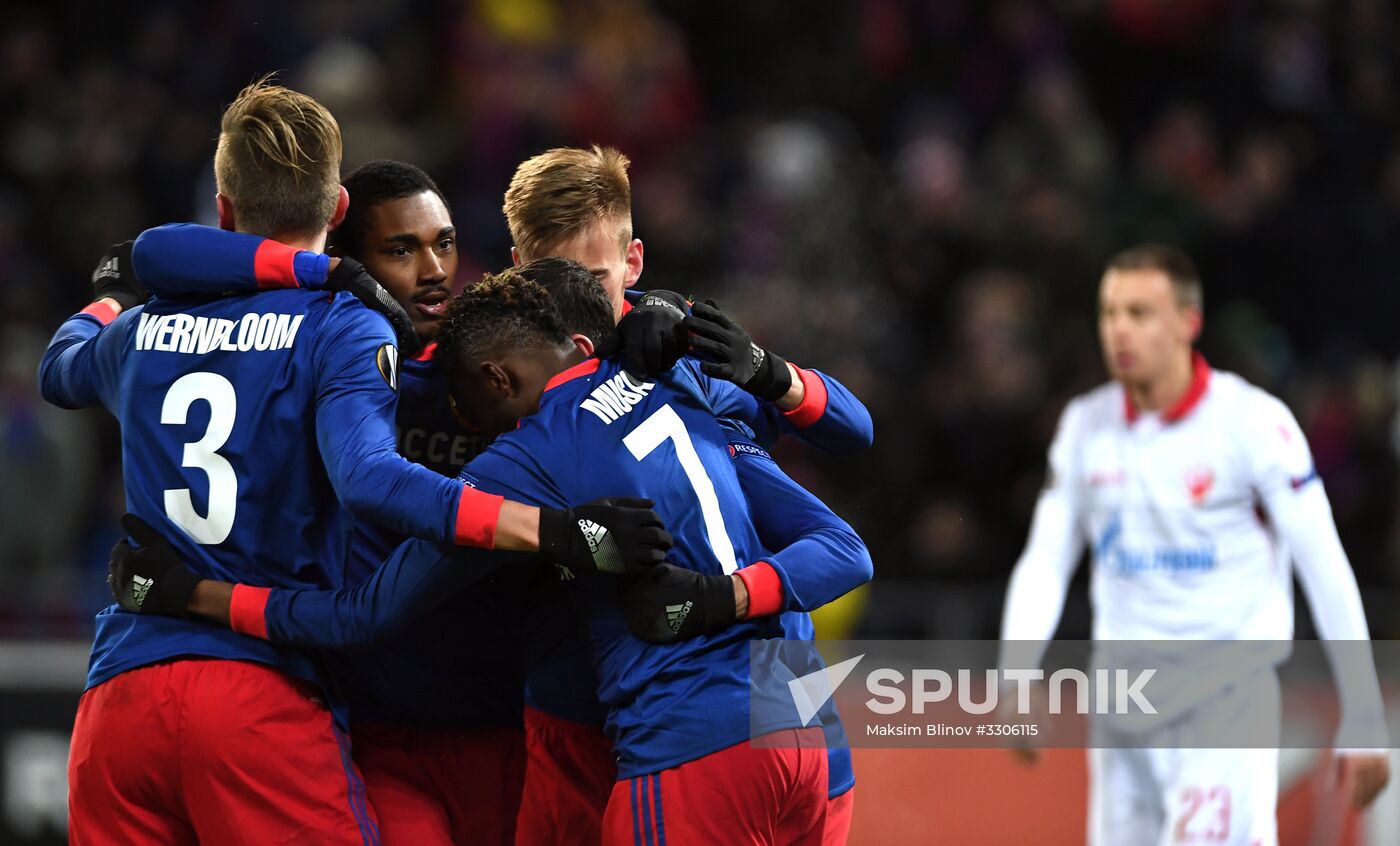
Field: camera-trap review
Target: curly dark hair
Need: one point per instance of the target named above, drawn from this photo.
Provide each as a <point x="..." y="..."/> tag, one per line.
<point x="504" y="311"/>
<point x="370" y="184"/>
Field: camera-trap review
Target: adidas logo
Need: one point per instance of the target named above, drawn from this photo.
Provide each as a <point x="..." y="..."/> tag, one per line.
<point x="759" y="354"/>
<point x="593" y="533"/>
<point x="676" y="614"/>
<point x="140" y="585"/>
<point x="565" y="574"/>
<point x="106" y="269"/>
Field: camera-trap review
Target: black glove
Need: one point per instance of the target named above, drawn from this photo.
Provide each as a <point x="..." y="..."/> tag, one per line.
<point x="350" y="275"/>
<point x="733" y="354"/>
<point x="670" y="603"/>
<point x="620" y="535"/>
<point x="150" y="579"/>
<point x="116" y="278"/>
<point x="653" y="333"/>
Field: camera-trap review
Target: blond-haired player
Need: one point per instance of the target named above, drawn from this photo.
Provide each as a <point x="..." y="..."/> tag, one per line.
<point x="577" y="204"/>
<point x="1194" y="491"/>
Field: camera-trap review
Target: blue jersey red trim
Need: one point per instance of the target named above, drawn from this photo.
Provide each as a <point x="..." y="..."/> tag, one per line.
<point x="101" y="312"/>
<point x="274" y="265"/>
<point x="814" y="400"/>
<point x="247" y="610"/>
<point x="583" y="368"/>
<point x="765" y="589"/>
<point x="477" y="516"/>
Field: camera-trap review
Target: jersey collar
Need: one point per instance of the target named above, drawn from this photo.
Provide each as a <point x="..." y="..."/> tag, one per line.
<point x="428" y="352"/>
<point x="583" y="368"/>
<point x="1200" y="381"/>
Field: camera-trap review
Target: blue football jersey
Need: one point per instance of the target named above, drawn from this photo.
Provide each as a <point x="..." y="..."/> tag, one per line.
<point x="458" y="665"/>
<point x="247" y="422"/>
<point x="428" y="432"/>
<point x="555" y="458"/>
<point x="599" y="433"/>
<point x="401" y="679"/>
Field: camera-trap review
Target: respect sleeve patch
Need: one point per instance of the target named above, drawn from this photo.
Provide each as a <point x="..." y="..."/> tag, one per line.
<point x="741" y="448"/>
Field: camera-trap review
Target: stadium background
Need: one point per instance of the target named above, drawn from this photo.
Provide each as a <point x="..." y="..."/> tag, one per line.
<point x="914" y="195"/>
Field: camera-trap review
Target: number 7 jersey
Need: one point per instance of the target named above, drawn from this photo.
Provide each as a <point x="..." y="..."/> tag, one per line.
<point x="246" y="423"/>
<point x="599" y="432"/>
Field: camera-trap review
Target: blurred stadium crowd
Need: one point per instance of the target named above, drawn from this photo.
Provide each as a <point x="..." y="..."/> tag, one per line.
<point x="916" y="195"/>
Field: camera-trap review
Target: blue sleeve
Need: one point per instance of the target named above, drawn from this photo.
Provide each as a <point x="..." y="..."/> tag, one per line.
<point x="830" y="418"/>
<point x="840" y="426"/>
<point x="80" y="367"/>
<point x="356" y="400"/>
<point x="730" y="402"/>
<point x="182" y="259"/>
<point x="415" y="579"/>
<point x="818" y="556"/>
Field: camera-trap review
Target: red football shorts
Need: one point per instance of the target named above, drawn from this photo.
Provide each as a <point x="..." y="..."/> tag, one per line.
<point x="440" y="787"/>
<point x="743" y="795"/>
<point x="839" y="812"/>
<point x="570" y="774"/>
<point x="211" y="752"/>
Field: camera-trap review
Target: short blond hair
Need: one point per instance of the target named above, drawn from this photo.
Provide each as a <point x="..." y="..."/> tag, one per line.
<point x="561" y="193"/>
<point x="278" y="161"/>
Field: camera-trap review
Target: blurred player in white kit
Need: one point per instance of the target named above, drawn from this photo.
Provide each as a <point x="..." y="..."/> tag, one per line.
<point x="1195" y="490"/>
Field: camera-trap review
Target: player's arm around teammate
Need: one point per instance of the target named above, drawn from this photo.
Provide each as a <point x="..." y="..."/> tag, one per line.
<point x="817" y="558"/>
<point x="69" y="373"/>
<point x="744" y="381"/>
<point x="151" y="578"/>
<point x="577" y="204"/>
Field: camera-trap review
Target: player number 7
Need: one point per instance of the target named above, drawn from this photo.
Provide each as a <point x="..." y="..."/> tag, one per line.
<point x="665" y="424"/>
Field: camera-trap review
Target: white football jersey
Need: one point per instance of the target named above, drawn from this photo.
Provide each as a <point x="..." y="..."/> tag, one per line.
<point x="1196" y="519"/>
<point x="1174" y="507"/>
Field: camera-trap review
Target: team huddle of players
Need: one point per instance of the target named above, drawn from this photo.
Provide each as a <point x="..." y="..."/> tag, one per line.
<point x="538" y="632"/>
<point x="489" y="571"/>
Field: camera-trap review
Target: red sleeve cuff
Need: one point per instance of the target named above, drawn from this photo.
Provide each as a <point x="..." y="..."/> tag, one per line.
<point x="813" y="400"/>
<point x="247" y="610"/>
<point x="102" y="311"/>
<point x="477" y="515"/>
<point x="765" y="589"/>
<point x="274" y="265"/>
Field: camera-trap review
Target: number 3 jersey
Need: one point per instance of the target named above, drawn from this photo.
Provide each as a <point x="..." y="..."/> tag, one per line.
<point x="600" y="433"/>
<point x="246" y="422"/>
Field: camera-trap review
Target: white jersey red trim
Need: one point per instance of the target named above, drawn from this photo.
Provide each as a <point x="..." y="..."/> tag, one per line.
<point x="1192" y="517"/>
